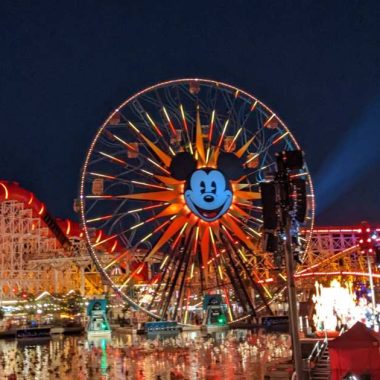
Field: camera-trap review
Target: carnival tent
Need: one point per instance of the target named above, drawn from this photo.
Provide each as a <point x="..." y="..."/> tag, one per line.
<point x="356" y="351"/>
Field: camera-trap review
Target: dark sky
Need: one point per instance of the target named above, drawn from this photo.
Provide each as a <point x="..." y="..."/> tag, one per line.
<point x="64" y="65"/>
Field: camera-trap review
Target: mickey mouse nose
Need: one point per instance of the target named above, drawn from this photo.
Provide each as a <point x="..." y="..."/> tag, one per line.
<point x="208" y="198"/>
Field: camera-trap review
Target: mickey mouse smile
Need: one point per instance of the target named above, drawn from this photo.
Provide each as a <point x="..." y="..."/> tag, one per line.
<point x="209" y="214"/>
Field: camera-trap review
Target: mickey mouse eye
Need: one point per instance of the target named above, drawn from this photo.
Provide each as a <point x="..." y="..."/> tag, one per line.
<point x="213" y="187"/>
<point x="202" y="185"/>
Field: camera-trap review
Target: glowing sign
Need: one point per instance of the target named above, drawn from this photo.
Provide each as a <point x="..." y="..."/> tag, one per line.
<point x="208" y="194"/>
<point x="208" y="191"/>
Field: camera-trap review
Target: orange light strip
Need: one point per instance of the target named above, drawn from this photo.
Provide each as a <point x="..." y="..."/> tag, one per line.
<point x="146" y="208"/>
<point x="100" y="196"/>
<point x="183" y="118"/>
<point x="114" y="247"/>
<point x="228" y="304"/>
<point x="68" y="228"/>
<point x="211" y="127"/>
<point x="99" y="236"/>
<point x="102" y="175"/>
<point x="154" y="124"/>
<point x="113" y="158"/>
<point x="252" y="158"/>
<point x="223" y="132"/>
<point x="105" y="240"/>
<point x="124" y="143"/>
<point x="336" y="273"/>
<point x="269" y="120"/>
<point x="151" y="185"/>
<point x="158" y="166"/>
<point x="196" y="240"/>
<point x="5" y="190"/>
<point x="280" y="138"/>
<point x="254" y="105"/>
<point x="186" y="128"/>
<point x="169" y="121"/>
<point x="179" y="235"/>
<point x="328" y="259"/>
<point x="234" y="139"/>
<point x="42" y="209"/>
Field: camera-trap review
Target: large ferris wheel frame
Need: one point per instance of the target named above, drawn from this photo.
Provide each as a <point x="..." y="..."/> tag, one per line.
<point x="168" y="119"/>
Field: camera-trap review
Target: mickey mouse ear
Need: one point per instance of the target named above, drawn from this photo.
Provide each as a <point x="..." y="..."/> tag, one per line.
<point x="182" y="165"/>
<point x="230" y="165"/>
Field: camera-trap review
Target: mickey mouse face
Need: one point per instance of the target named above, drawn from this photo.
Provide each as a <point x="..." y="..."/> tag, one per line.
<point x="208" y="195"/>
<point x="208" y="191"/>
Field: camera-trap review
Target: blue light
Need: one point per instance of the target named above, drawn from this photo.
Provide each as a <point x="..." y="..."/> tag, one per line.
<point x="357" y="151"/>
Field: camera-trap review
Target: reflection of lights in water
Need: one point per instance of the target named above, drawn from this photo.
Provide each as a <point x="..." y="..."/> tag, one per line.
<point x="103" y="360"/>
<point x="189" y="353"/>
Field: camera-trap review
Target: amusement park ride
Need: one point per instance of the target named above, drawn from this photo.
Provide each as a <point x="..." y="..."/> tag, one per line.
<point x="171" y="210"/>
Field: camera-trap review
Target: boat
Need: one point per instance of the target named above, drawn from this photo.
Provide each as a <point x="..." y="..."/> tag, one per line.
<point x="159" y="327"/>
<point x="33" y="335"/>
<point x="98" y="325"/>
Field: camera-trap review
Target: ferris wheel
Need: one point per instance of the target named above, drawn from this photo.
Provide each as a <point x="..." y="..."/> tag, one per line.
<point x="170" y="185"/>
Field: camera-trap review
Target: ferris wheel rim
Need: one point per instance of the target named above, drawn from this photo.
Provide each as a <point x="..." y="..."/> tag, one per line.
<point x="124" y="104"/>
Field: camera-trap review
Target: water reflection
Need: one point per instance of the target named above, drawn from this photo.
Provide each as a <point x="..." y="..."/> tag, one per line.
<point x="233" y="355"/>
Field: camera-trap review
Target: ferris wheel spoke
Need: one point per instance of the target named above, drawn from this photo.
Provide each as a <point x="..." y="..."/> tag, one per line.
<point x="133" y="149"/>
<point x="176" y="276"/>
<point x="247" y="272"/>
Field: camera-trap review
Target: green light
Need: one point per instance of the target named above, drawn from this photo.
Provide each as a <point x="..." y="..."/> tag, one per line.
<point x="222" y="320"/>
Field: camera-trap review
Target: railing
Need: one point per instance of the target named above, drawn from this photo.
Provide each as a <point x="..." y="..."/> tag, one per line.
<point x="317" y="352"/>
<point x="315" y="355"/>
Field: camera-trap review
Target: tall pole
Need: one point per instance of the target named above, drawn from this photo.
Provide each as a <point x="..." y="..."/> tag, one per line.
<point x="371" y="283"/>
<point x="293" y="310"/>
<point x="283" y="197"/>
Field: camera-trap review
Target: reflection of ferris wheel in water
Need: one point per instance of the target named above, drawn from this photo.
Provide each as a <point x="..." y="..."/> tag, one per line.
<point x="172" y="181"/>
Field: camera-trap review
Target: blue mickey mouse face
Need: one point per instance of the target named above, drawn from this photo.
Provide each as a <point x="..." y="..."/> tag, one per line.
<point x="208" y="195"/>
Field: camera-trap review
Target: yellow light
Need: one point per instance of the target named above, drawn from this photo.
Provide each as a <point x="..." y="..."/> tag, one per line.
<point x="164" y="262"/>
<point x="224" y="131"/>
<point x="146" y="237"/>
<point x="243" y="255"/>
<point x="146" y="172"/>
<point x="102" y="175"/>
<point x="207" y="154"/>
<point x="254" y="105"/>
<point x="113" y="158"/>
<point x="269" y="120"/>
<point x="236" y="136"/>
<point x="133" y="126"/>
<point x="252" y="158"/>
<point x="220" y="272"/>
<point x="280" y="138"/>
<point x="5" y="190"/>
<point x="267" y="291"/>
<point x="136" y="226"/>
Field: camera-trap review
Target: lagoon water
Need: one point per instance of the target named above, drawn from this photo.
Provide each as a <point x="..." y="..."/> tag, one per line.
<point x="232" y="355"/>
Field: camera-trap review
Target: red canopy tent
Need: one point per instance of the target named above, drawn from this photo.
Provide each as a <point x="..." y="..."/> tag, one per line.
<point x="356" y="351"/>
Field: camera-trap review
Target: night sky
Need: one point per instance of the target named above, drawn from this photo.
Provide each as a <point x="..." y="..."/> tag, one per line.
<point x="64" y="65"/>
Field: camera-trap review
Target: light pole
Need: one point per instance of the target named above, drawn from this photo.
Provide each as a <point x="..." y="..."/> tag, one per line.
<point x="278" y="214"/>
